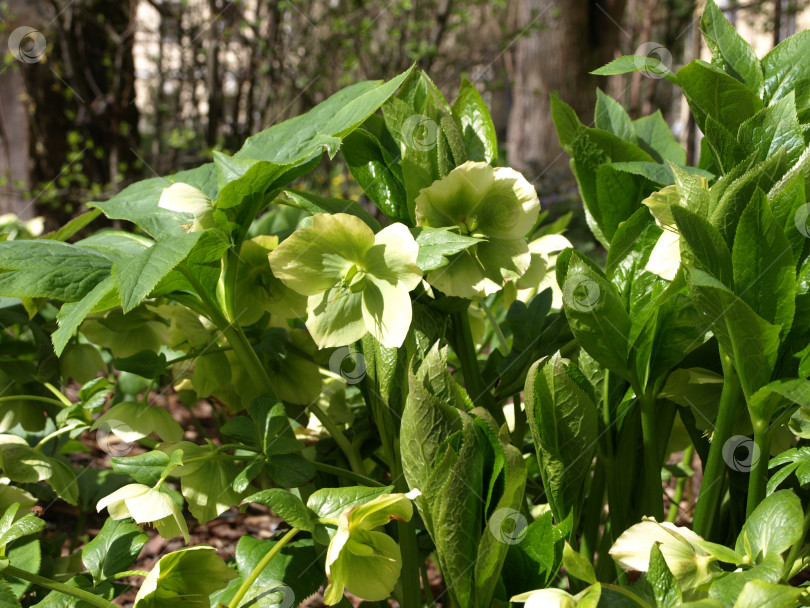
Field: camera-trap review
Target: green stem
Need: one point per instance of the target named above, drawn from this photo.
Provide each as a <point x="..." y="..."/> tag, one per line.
<point x="411" y="590"/>
<point x="428" y="592"/>
<point x="47" y="583"/>
<point x="344" y="444"/>
<point x="626" y="593"/>
<point x="504" y="345"/>
<point x="592" y="512"/>
<point x="248" y="582"/>
<point x="464" y="346"/>
<point x="653" y="496"/>
<point x="795" y="550"/>
<point x="713" y="474"/>
<point x="339" y="472"/>
<point x="680" y="485"/>
<point x="47" y="400"/>
<point x="758" y="477"/>
<point x="56" y="433"/>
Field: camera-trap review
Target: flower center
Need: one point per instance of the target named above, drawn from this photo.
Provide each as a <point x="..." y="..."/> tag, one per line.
<point x="354" y="278"/>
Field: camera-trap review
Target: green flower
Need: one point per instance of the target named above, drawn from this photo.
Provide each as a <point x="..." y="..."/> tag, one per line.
<point x="356" y="281"/>
<point x="146" y="505"/>
<point x="684" y="552"/>
<point x="183" y="198"/>
<point x="495" y="204"/>
<point x="364" y="561"/>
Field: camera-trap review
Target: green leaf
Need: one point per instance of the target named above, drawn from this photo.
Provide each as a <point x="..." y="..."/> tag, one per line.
<point x="773" y="527"/>
<point x="8" y="598"/>
<point x="750" y="341"/>
<point x="137" y="276"/>
<point x="712" y="92"/>
<point x="774" y="127"/>
<point x="533" y="561"/>
<point x="595" y="313"/>
<point x="287" y="506"/>
<point x="762" y="258"/>
<point x="72" y="314"/>
<point x="563" y="420"/>
<point x="290" y="470"/>
<point x="611" y="116"/>
<point x="114" y="549"/>
<point x="143" y="468"/>
<point x="655" y="138"/>
<point x="665" y="587"/>
<point x="761" y="593"/>
<point x="730" y="50"/>
<point x="176" y="581"/>
<point x="147" y="364"/>
<point x="11" y="530"/>
<point x="619" y="195"/>
<point x="323" y="126"/>
<point x="703" y="245"/>
<point x="208" y="489"/>
<point x="723" y="144"/>
<point x="784" y="67"/>
<point x="437" y="245"/>
<point x="50" y="269"/>
<point x="635" y="63"/>
<point x="314" y="203"/>
<point x="475" y="124"/>
<point x="577" y="565"/>
<point x="297" y="565"/>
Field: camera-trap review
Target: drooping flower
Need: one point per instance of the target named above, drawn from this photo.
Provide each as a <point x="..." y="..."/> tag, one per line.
<point x="362" y="560"/>
<point x="665" y="258"/>
<point x="356" y="281"/>
<point x="558" y="598"/>
<point x="495" y="204"/>
<point x="540" y="274"/>
<point x="184" y="198"/>
<point x="683" y="551"/>
<point x="146" y="505"/>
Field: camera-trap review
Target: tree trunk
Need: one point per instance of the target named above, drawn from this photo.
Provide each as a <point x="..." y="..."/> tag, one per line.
<point x="558" y="45"/>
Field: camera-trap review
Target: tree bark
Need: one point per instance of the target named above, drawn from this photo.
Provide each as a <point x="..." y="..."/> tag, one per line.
<point x="557" y="46"/>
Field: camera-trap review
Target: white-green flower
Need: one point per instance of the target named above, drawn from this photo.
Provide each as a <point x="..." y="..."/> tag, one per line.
<point x="356" y="281"/>
<point x="187" y="199"/>
<point x="665" y="258"/>
<point x="558" y="598"/>
<point x="362" y="560"/>
<point x="540" y="274"/>
<point x="146" y="506"/>
<point x="494" y="204"/>
<point x="682" y="549"/>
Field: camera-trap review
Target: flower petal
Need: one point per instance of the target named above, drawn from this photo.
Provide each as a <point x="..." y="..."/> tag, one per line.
<point x="450" y="201"/>
<point x="504" y="259"/>
<point x="510" y="207"/>
<point x="399" y="253"/>
<point x="463" y="277"/>
<point x="387" y="311"/>
<point x="314" y="258"/>
<point x="335" y="318"/>
<point x="150" y="506"/>
<point x="665" y="258"/>
<point x="115" y="502"/>
<point x="184" y="198"/>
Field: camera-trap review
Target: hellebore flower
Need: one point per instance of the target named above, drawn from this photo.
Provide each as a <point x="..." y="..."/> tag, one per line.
<point x="183" y="198"/>
<point x="683" y="551"/>
<point x="146" y="505"/>
<point x="558" y="598"/>
<point x="540" y="274"/>
<point x="364" y="561"/>
<point x="356" y="281"/>
<point x="494" y="204"/>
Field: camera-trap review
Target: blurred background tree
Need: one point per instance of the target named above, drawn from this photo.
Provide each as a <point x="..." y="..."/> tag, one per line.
<point x="96" y="94"/>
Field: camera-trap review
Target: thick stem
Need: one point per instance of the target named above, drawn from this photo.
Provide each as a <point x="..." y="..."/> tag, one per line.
<point x="653" y="498"/>
<point x="758" y="476"/>
<point x="248" y="582"/>
<point x="592" y="512"/>
<point x="47" y="583"/>
<point x="715" y="470"/>
<point x="464" y="346"/>
<point x="520" y="422"/>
